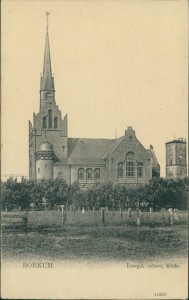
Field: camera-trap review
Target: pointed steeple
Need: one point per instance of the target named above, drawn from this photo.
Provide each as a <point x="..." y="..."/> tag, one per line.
<point x="47" y="58"/>
<point x="47" y="92"/>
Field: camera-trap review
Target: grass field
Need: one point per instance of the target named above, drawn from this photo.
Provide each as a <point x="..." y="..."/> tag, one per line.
<point x="84" y="238"/>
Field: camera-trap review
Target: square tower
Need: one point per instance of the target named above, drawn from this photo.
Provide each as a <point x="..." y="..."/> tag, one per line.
<point x="176" y="166"/>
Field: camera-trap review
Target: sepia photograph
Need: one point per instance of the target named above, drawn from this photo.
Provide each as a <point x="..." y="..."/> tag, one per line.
<point x="94" y="149"/>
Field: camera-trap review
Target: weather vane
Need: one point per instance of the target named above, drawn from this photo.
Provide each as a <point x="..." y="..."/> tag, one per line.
<point x="47" y="15"/>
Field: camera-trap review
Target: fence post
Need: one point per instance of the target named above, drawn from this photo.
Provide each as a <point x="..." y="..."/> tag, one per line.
<point x="170" y="216"/>
<point x="138" y="216"/>
<point x="129" y="212"/>
<point x="151" y="216"/>
<point x="103" y="216"/>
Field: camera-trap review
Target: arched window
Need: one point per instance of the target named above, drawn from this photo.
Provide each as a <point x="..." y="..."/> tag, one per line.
<point x="81" y="174"/>
<point x="55" y="123"/>
<point x="44" y="122"/>
<point x="130" y="165"/>
<point x="120" y="170"/>
<point x="89" y="174"/>
<point x="97" y="175"/>
<point x="140" y="170"/>
<point x="50" y="118"/>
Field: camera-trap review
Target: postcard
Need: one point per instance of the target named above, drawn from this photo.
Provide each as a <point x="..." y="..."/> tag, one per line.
<point x="94" y="173"/>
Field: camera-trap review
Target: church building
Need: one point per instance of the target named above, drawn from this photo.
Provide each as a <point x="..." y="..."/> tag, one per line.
<point x="52" y="154"/>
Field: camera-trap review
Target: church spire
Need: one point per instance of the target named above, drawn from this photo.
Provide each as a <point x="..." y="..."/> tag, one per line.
<point x="47" y="56"/>
<point x="47" y="81"/>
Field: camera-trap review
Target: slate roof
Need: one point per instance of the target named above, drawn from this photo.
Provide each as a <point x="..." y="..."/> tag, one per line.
<point x="47" y="83"/>
<point x="87" y="151"/>
<point x="114" y="145"/>
<point x="155" y="163"/>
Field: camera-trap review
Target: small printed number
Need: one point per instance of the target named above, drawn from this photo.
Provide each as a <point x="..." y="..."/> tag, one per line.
<point x="160" y="294"/>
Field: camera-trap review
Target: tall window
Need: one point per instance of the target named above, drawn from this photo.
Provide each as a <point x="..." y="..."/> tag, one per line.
<point x="81" y="174"/>
<point x="44" y="122"/>
<point x="180" y="156"/>
<point x="140" y="170"/>
<point x="89" y="174"/>
<point x="50" y="118"/>
<point x="55" y="123"/>
<point x="130" y="165"/>
<point x="97" y="175"/>
<point x="170" y="156"/>
<point x="120" y="170"/>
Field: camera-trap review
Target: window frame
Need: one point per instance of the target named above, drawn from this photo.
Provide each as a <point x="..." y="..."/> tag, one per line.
<point x="78" y="174"/>
<point x="140" y="170"/>
<point x="55" y="122"/>
<point x="44" y="121"/>
<point x="130" y="165"/>
<point x="50" y="119"/>
<point x="97" y="171"/>
<point x="91" y="172"/>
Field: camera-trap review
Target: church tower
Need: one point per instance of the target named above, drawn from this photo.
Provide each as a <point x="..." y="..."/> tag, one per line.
<point x="88" y="161"/>
<point x="48" y="133"/>
<point x="176" y="159"/>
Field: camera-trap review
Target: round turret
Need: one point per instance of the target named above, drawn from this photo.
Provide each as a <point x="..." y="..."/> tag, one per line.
<point x="45" y="146"/>
<point x="44" y="161"/>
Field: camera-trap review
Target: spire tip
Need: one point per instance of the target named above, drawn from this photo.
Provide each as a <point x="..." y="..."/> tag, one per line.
<point x="47" y="18"/>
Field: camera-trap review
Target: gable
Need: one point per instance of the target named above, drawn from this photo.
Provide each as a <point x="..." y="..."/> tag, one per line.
<point x="129" y="143"/>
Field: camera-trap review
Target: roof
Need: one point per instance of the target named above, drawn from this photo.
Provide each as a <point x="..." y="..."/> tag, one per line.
<point x="181" y="140"/>
<point x="45" y="146"/>
<point x="88" y="150"/>
<point x="114" y="145"/>
<point x="47" y="81"/>
<point x="155" y="163"/>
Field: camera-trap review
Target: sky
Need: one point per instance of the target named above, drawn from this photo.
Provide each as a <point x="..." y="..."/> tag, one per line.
<point x="115" y="63"/>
